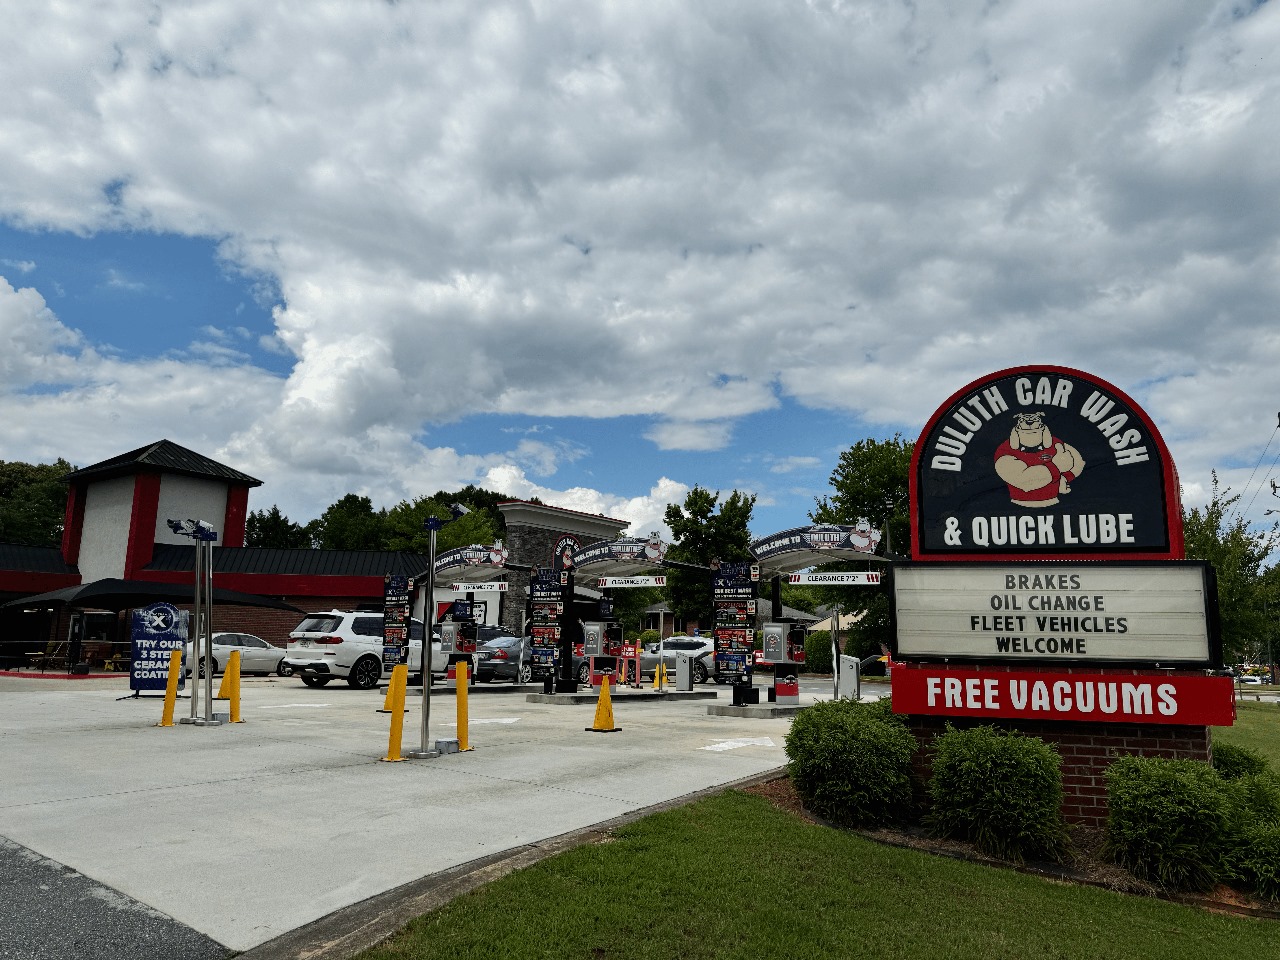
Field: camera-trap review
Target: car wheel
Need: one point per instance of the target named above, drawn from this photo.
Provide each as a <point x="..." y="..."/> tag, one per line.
<point x="311" y="681"/>
<point x="699" y="672"/>
<point x="526" y="674"/>
<point x="283" y="669"/>
<point x="584" y="674"/>
<point x="215" y="668"/>
<point x="365" y="674"/>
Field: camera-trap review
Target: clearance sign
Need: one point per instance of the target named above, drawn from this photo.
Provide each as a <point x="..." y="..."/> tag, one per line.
<point x="1188" y="701"/>
<point x="1047" y="536"/>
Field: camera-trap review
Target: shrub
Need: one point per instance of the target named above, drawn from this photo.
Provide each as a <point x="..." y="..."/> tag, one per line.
<point x="851" y="763"/>
<point x="1170" y="821"/>
<point x="1255" y="860"/>
<point x="1234" y="762"/>
<point x="1001" y="791"/>
<point x="817" y="652"/>
<point x="1252" y="857"/>
<point x="648" y="636"/>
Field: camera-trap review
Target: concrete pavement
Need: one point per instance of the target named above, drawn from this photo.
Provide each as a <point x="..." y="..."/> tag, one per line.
<point x="244" y="833"/>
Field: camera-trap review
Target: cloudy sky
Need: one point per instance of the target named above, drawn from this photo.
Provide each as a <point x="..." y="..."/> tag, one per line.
<point x="601" y="252"/>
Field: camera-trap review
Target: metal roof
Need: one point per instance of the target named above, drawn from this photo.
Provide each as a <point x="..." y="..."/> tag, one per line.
<point x="15" y="556"/>
<point x="301" y="562"/>
<point x="166" y="457"/>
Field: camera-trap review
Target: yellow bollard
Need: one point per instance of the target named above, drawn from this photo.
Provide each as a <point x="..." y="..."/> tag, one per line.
<point x="395" y="694"/>
<point x="233" y="671"/>
<point x="604" y="711"/>
<point x="464" y="743"/>
<point x="171" y="689"/>
<point x="224" y="687"/>
<point x="660" y="676"/>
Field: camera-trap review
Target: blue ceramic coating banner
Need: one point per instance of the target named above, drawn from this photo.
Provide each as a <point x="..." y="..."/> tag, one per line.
<point x="156" y="631"/>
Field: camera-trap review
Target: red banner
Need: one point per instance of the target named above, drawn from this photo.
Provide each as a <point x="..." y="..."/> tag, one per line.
<point x="1088" y="697"/>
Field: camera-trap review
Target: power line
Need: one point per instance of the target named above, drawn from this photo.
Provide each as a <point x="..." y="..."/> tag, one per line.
<point x="1255" y="466"/>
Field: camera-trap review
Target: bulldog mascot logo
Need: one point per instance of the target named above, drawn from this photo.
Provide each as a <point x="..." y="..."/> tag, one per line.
<point x="1037" y="466"/>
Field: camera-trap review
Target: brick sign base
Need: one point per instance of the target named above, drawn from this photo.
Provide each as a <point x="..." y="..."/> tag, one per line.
<point x="1087" y="749"/>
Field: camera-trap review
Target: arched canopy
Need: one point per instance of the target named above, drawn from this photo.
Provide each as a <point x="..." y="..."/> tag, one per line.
<point x="624" y="557"/>
<point x="473" y="564"/>
<point x="803" y="547"/>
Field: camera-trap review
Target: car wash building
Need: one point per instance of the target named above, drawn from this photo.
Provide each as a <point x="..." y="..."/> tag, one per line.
<point x="116" y="529"/>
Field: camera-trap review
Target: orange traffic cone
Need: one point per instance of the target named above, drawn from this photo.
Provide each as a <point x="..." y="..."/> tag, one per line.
<point x="604" y="712"/>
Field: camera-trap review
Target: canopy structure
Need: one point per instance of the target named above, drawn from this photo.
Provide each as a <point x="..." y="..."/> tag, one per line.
<point x="803" y="547"/>
<point x="624" y="557"/>
<point x="115" y="594"/>
<point x="474" y="564"/>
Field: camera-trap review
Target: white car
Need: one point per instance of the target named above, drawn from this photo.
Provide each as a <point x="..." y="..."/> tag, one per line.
<point x="701" y="649"/>
<point x="347" y="644"/>
<point x="256" y="654"/>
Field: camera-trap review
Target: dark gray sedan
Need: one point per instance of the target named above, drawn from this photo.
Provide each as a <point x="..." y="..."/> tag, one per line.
<point x="505" y="658"/>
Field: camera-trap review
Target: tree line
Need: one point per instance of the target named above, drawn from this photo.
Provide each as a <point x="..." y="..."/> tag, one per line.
<point x="869" y="482"/>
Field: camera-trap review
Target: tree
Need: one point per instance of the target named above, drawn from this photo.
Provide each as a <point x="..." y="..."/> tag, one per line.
<point x="405" y="525"/>
<point x="629" y="606"/>
<point x="349" y="524"/>
<point x="700" y="535"/>
<point x="271" y="528"/>
<point x="1247" y="595"/>
<point x="872" y="482"/>
<point x="33" y="502"/>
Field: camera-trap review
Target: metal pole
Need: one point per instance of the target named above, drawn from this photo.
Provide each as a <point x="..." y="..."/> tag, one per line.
<point x="195" y="632"/>
<point x="207" y="546"/>
<point x="428" y="619"/>
<point x="835" y="653"/>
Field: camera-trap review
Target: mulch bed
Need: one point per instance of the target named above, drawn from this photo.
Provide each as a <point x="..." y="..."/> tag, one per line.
<point x="1085" y="864"/>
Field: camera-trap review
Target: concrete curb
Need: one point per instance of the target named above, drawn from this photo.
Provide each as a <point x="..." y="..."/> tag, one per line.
<point x="346" y="932"/>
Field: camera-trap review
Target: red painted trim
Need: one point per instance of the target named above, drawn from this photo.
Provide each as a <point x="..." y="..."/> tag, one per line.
<point x="73" y="523"/>
<point x="237" y="516"/>
<point x="142" y="523"/>
<point x="24" y="581"/>
<point x="1172" y="489"/>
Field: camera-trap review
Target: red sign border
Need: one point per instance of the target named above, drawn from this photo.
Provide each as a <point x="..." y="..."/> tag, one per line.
<point x="1172" y="488"/>
<point x="1212" y="707"/>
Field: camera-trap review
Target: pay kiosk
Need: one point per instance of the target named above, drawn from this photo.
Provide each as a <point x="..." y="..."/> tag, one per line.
<point x="784" y="649"/>
<point x="458" y="638"/>
<point x="603" y="647"/>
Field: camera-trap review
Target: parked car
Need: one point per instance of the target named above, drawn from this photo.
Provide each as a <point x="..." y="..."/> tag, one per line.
<point x="347" y="644"/>
<point x="256" y="655"/>
<point x="1251" y="678"/>
<point x="504" y="656"/>
<point x="701" y="649"/>
<point x="874" y="666"/>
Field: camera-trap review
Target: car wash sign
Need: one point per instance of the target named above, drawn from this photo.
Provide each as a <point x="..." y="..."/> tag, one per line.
<point x="1042" y="461"/>
<point x="154" y="633"/>
<point x="1161" y="614"/>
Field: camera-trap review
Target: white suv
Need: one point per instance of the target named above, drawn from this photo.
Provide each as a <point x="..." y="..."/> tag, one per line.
<point x="348" y="645"/>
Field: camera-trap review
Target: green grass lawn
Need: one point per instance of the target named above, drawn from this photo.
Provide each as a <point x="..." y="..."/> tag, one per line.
<point x="1257" y="726"/>
<point x="733" y="877"/>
